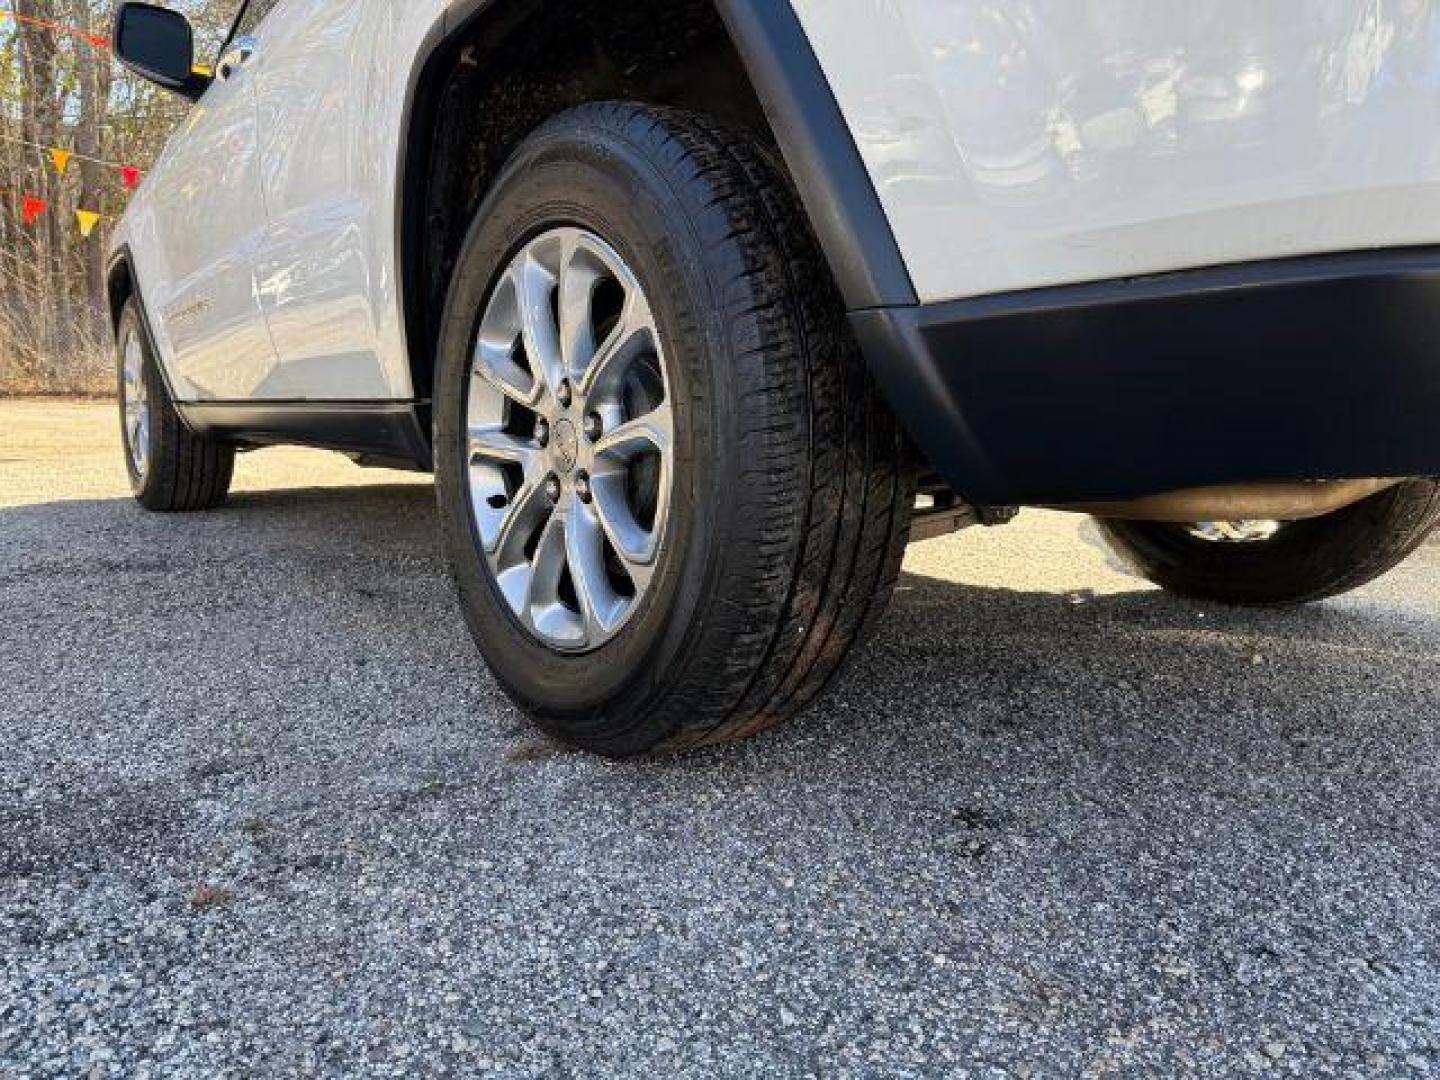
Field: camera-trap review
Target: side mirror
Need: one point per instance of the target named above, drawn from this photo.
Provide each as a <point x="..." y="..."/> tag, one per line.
<point x="158" y="44"/>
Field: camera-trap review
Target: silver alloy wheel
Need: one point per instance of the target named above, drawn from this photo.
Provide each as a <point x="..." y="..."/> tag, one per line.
<point x="1234" y="532"/>
<point x="570" y="440"/>
<point x="137" y="405"/>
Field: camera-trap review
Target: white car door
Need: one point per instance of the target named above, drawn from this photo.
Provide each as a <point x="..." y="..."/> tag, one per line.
<point x="331" y="81"/>
<point x="205" y="227"/>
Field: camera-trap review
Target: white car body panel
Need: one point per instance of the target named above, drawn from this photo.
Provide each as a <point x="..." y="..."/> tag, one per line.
<point x="1016" y="144"/>
<point x="194" y="228"/>
<point x="331" y="93"/>
<point x="264" y="239"/>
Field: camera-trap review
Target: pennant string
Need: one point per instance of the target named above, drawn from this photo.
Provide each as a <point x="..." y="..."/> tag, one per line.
<point x="70" y="153"/>
<point x="98" y="41"/>
<point x="33" y="207"/>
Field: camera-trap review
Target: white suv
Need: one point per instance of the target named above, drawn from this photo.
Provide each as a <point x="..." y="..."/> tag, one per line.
<point x="700" y="310"/>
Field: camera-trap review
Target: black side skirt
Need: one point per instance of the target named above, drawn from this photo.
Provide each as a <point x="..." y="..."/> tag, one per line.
<point x="393" y="433"/>
<point x="1304" y="369"/>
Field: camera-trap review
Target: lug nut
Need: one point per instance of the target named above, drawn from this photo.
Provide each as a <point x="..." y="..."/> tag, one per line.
<point x="542" y="431"/>
<point x="582" y="486"/>
<point x="594" y="427"/>
<point x="552" y="488"/>
<point x="563" y="393"/>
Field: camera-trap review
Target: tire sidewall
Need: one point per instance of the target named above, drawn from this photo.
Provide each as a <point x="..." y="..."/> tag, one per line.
<point x="599" y="183"/>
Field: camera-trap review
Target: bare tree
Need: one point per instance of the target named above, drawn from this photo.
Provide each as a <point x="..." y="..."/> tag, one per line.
<point x="60" y="88"/>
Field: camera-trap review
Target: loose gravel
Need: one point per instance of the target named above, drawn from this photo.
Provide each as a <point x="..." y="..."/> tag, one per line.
<point x="263" y="811"/>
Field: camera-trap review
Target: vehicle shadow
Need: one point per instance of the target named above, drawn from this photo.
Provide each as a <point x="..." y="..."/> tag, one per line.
<point x="948" y="653"/>
<point x="326" y="619"/>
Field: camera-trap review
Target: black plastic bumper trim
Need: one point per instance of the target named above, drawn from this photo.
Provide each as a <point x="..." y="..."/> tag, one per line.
<point x="1325" y="367"/>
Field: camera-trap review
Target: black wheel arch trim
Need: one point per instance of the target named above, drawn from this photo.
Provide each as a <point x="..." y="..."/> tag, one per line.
<point x="833" y="182"/>
<point x="122" y="256"/>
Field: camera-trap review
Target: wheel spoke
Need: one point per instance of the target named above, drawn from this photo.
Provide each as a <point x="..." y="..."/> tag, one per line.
<point x="535" y="285"/>
<point x="633" y="334"/>
<point x="650" y="433"/>
<point x="514" y="571"/>
<point x="579" y="274"/>
<point x="547" y="612"/>
<point x="500" y="334"/>
<point x="505" y="519"/>
<point x="635" y="543"/>
<point x="499" y="511"/>
<point x="508" y="377"/>
<point x="1235" y="532"/>
<point x="522" y="516"/>
<point x="138" y="434"/>
<point x="492" y="445"/>
<point x="601" y="607"/>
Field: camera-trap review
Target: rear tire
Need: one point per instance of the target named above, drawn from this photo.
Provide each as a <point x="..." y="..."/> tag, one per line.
<point x="1304" y="561"/>
<point x="171" y="469"/>
<point x="792" y="488"/>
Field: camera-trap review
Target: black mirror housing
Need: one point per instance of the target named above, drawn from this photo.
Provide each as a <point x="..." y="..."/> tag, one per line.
<point x="159" y="46"/>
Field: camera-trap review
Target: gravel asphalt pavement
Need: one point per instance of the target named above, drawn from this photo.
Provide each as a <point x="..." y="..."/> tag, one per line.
<point x="262" y="811"/>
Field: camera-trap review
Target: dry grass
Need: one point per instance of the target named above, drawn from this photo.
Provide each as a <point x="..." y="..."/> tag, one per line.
<point x="48" y="354"/>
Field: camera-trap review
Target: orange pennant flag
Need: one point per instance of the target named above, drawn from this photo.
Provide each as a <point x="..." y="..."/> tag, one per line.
<point x="61" y="158"/>
<point x="31" y="208"/>
<point x="88" y="220"/>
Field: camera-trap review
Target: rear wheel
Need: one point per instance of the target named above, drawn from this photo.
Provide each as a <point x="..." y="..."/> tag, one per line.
<point x="672" y="498"/>
<point x="1282" y="562"/>
<point x="170" y="468"/>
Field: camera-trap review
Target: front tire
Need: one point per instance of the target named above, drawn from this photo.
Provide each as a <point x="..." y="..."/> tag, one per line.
<point x="1284" y="563"/>
<point x="171" y="469"/>
<point x="782" y="488"/>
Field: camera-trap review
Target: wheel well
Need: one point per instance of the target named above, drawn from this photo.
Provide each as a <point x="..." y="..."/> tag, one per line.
<point x="119" y="287"/>
<point x="509" y="68"/>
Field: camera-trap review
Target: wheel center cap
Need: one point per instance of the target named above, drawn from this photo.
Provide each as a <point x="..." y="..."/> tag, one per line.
<point x="567" y="445"/>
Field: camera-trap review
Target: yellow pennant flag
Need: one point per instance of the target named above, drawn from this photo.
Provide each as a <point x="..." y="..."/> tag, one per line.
<point x="88" y="220"/>
<point x="61" y="158"/>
